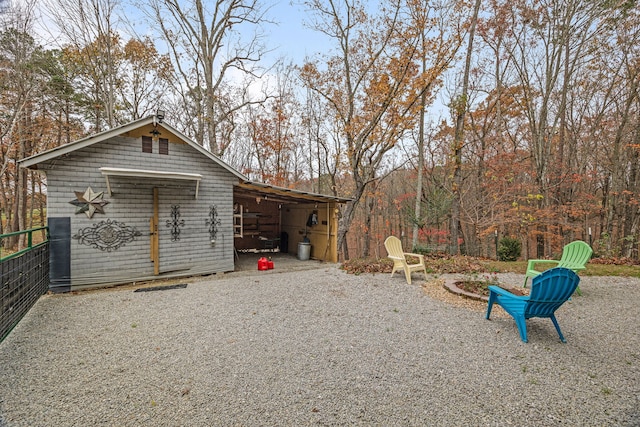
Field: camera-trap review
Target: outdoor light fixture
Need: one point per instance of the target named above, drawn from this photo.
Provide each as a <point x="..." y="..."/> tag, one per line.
<point x="157" y="119"/>
<point x="155" y="132"/>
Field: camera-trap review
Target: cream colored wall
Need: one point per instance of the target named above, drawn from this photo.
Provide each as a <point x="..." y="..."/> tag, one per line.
<point x="294" y="220"/>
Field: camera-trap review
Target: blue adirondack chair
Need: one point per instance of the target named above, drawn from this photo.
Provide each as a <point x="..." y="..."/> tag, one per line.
<point x="549" y="290"/>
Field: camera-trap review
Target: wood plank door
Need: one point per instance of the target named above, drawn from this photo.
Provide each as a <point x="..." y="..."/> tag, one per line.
<point x="153" y="233"/>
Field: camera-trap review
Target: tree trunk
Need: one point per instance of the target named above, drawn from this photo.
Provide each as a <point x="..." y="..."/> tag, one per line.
<point x="418" y="206"/>
<point x="461" y="109"/>
<point x="345" y="220"/>
<point x="369" y="206"/>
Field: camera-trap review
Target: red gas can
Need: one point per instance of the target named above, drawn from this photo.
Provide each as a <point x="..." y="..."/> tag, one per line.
<point x="269" y="264"/>
<point x="263" y="264"/>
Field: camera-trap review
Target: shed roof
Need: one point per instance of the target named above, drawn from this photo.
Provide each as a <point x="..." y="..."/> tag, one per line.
<point x="33" y="161"/>
<point x="244" y="186"/>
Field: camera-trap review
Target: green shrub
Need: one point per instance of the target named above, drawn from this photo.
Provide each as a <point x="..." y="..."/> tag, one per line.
<point x="421" y="249"/>
<point x="509" y="249"/>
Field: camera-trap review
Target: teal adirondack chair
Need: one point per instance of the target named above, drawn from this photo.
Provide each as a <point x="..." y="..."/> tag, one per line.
<point x="575" y="256"/>
<point x="549" y="290"/>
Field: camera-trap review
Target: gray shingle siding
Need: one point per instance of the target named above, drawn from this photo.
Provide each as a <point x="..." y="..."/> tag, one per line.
<point x="132" y="204"/>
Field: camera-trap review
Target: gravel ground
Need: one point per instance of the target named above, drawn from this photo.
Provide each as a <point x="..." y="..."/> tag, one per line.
<point x="319" y="347"/>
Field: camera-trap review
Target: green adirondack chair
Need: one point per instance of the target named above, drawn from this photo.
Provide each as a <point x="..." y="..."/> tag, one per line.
<point x="575" y="256"/>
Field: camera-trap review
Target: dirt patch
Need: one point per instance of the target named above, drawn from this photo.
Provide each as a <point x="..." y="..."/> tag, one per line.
<point x="481" y="289"/>
<point x="435" y="289"/>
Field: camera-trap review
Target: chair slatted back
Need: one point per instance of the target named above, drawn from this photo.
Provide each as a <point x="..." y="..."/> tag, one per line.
<point x="575" y="254"/>
<point x="393" y="245"/>
<point x="550" y="290"/>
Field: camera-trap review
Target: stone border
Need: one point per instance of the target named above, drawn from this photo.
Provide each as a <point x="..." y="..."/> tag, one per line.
<point x="450" y="285"/>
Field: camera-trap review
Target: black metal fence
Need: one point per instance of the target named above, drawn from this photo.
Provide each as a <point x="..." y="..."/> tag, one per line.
<point x="24" y="277"/>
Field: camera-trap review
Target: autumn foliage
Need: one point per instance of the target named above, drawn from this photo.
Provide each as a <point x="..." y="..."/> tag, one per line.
<point x="549" y="151"/>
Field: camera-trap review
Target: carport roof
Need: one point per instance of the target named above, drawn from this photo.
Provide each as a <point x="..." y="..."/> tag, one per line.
<point x="282" y="194"/>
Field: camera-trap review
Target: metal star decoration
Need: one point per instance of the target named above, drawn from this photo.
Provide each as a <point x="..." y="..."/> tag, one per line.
<point x="89" y="202"/>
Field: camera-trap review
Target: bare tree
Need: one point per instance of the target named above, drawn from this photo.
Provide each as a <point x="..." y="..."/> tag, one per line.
<point x="23" y="66"/>
<point x="459" y="106"/>
<point x="439" y="38"/>
<point x="214" y="47"/>
<point x="92" y="46"/>
<point x="548" y="43"/>
<point x="146" y="79"/>
<point x="367" y="87"/>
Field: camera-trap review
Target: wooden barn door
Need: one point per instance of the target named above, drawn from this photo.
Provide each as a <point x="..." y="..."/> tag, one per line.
<point x="153" y="232"/>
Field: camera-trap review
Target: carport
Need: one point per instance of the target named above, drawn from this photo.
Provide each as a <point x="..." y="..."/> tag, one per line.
<point x="268" y="218"/>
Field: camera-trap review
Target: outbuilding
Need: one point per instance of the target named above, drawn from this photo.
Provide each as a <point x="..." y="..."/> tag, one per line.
<point x="143" y="201"/>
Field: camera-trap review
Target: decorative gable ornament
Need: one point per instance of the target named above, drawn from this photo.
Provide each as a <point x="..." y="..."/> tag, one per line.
<point x="89" y="202"/>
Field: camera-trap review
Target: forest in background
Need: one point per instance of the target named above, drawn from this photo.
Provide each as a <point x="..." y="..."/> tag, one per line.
<point x="450" y="124"/>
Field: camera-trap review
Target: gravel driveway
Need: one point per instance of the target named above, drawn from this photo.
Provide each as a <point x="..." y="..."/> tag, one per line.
<point x="318" y="347"/>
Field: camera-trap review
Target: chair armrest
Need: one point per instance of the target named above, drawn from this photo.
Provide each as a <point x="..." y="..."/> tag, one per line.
<point x="414" y="255"/>
<point x="532" y="262"/>
<point x="498" y="290"/>
<point x="395" y="257"/>
<point x="574" y="267"/>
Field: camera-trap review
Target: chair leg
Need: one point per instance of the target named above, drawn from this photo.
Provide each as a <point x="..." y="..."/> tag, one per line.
<point x="525" y="281"/>
<point x="555" y="323"/>
<point x="578" y="291"/>
<point x="492" y="299"/>
<point x="407" y="274"/>
<point x="522" y="327"/>
<point x="489" y="307"/>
